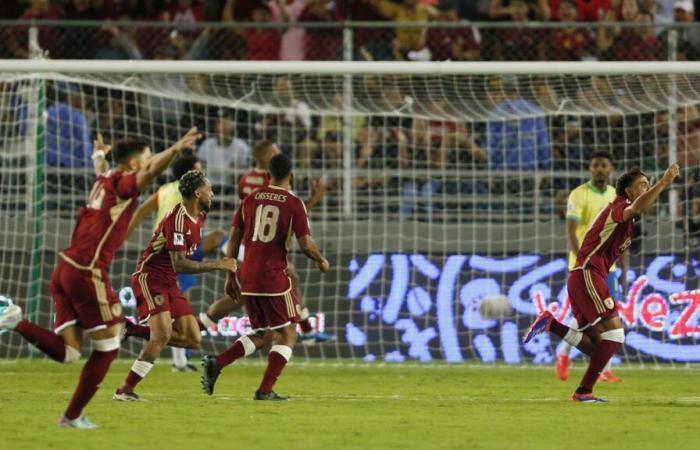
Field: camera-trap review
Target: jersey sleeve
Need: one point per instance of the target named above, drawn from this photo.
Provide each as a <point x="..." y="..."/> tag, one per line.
<point x="126" y="186"/>
<point x="174" y="236"/>
<point x="618" y="210"/>
<point x="237" y="221"/>
<point x="300" y="221"/>
<point x="574" y="206"/>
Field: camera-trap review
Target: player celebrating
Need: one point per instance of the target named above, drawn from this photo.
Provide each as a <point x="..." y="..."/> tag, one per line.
<point x="83" y="297"/>
<point x="160" y="203"/>
<point x="600" y="332"/>
<point x="585" y="202"/>
<point x="257" y="178"/>
<point x="158" y="299"/>
<point x="264" y="222"/>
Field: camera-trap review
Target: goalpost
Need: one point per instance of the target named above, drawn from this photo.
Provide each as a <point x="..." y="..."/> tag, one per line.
<point x="446" y="184"/>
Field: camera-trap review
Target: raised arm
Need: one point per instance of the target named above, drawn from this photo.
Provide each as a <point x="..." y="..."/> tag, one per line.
<point x="147" y="208"/>
<point x="160" y="161"/>
<point x="644" y="201"/>
<point x="309" y="248"/>
<point x="182" y="264"/>
<point x="100" y="150"/>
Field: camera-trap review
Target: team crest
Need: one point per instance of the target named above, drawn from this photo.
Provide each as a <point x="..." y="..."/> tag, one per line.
<point x="116" y="309"/>
<point x="158" y="299"/>
<point x="609" y="303"/>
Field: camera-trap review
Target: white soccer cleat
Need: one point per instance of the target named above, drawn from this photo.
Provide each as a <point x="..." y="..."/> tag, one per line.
<point x="80" y="422"/>
<point x="10" y="317"/>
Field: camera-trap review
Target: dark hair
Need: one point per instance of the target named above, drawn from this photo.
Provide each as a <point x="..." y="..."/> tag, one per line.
<point x="600" y="154"/>
<point x="260" y="148"/>
<point x="280" y="167"/>
<point x="183" y="164"/>
<point x="127" y="148"/>
<point x="190" y="182"/>
<point x="626" y="181"/>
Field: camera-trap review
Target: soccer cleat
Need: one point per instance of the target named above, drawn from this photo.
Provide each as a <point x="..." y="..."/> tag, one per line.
<point x="609" y="377"/>
<point x="80" y="422"/>
<point x="125" y="396"/>
<point x="269" y="396"/>
<point x="187" y="368"/>
<point x="562" y="367"/>
<point x="587" y="398"/>
<point x="540" y="325"/>
<point x="10" y="317"/>
<point x="210" y="373"/>
<point x="316" y="337"/>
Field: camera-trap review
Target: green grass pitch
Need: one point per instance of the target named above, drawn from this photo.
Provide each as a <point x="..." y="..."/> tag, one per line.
<point x="358" y="407"/>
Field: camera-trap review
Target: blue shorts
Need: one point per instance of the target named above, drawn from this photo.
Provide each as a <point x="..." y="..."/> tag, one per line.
<point x="187" y="281"/>
<point x="615" y="286"/>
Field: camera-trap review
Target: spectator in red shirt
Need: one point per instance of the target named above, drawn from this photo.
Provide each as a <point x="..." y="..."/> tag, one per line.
<point x="456" y="44"/>
<point x="589" y="10"/>
<point x="320" y="44"/>
<point x="262" y="44"/>
<point x="570" y="44"/>
<point x="17" y="39"/>
<point x="185" y="13"/>
<point x="631" y="44"/>
<point x="519" y="43"/>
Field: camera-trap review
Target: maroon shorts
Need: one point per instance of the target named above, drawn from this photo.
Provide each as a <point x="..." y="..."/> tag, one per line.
<point x="83" y="298"/>
<point x="271" y="312"/>
<point x="153" y="297"/>
<point x="590" y="297"/>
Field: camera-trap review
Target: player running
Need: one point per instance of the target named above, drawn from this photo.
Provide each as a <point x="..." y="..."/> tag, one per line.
<point x="600" y="333"/>
<point x="258" y="178"/>
<point x="158" y="299"/>
<point x="160" y="203"/>
<point x="84" y="301"/>
<point x="585" y="202"/>
<point x="265" y="222"/>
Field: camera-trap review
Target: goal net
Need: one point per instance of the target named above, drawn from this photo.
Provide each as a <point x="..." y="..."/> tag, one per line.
<point x="446" y="184"/>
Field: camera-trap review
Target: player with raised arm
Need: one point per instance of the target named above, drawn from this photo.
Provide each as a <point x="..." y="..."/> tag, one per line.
<point x="160" y="203"/>
<point x="600" y="333"/>
<point x="84" y="301"/>
<point x="158" y="299"/>
<point x="265" y="222"/>
<point x="584" y="204"/>
<point x="258" y="178"/>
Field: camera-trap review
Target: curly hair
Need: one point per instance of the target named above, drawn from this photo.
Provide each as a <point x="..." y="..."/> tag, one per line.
<point x="190" y="182"/>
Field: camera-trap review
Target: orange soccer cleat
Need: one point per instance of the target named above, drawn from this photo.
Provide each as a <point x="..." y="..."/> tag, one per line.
<point x="609" y="377"/>
<point x="562" y="367"/>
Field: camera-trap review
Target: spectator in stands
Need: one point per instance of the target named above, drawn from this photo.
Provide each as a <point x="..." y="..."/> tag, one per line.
<point x="223" y="151"/>
<point x="518" y="43"/>
<point x="286" y="120"/>
<point x="242" y="10"/>
<point x="590" y="10"/>
<point x="119" y="43"/>
<point x="688" y="47"/>
<point x="638" y="43"/>
<point x="185" y="14"/>
<point x="261" y="44"/>
<point x="407" y="39"/>
<point x="687" y="135"/>
<point x="49" y="37"/>
<point x="570" y="43"/>
<point x="290" y="11"/>
<point x="517" y="136"/>
<point x="321" y="44"/>
<point x="80" y="42"/>
<point x="456" y="44"/>
<point x="513" y="9"/>
<point x="68" y="139"/>
<point x="369" y="44"/>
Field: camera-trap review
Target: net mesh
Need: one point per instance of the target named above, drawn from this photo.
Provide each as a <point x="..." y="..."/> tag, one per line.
<point x="442" y="190"/>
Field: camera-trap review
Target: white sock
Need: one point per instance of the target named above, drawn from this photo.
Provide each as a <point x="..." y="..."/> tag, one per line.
<point x="141" y="368"/>
<point x="566" y="348"/>
<point x="179" y="357"/>
<point x="204" y="318"/>
<point x="573" y="337"/>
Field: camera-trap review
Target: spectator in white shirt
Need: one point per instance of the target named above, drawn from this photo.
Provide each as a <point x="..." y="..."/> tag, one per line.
<point x="224" y="151"/>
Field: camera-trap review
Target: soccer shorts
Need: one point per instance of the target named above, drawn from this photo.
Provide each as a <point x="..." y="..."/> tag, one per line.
<point x="272" y="312"/>
<point x="590" y="297"/>
<point x="153" y="298"/>
<point x="83" y="298"/>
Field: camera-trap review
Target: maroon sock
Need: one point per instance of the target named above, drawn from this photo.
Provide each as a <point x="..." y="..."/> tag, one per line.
<point x="558" y="328"/>
<point x="132" y="379"/>
<point x="275" y="364"/>
<point x="230" y="355"/>
<point x="602" y="354"/>
<point x="140" y="331"/>
<point x="45" y="340"/>
<point x="305" y="325"/>
<point x="92" y="375"/>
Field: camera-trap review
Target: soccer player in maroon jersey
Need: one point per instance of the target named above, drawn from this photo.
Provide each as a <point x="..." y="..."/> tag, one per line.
<point x="257" y="178"/>
<point x="265" y="222"/>
<point x="158" y="298"/>
<point x="600" y="333"/>
<point x="84" y="301"/>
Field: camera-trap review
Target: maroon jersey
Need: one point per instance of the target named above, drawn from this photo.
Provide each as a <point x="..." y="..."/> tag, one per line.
<point x="606" y="239"/>
<point x="179" y="232"/>
<point x="268" y="218"/>
<point x="250" y="181"/>
<point x="102" y="223"/>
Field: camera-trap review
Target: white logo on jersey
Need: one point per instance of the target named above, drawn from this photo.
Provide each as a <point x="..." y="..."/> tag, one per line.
<point x="178" y="239"/>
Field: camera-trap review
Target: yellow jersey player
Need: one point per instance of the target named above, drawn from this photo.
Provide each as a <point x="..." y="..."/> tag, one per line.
<point x="584" y="204"/>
